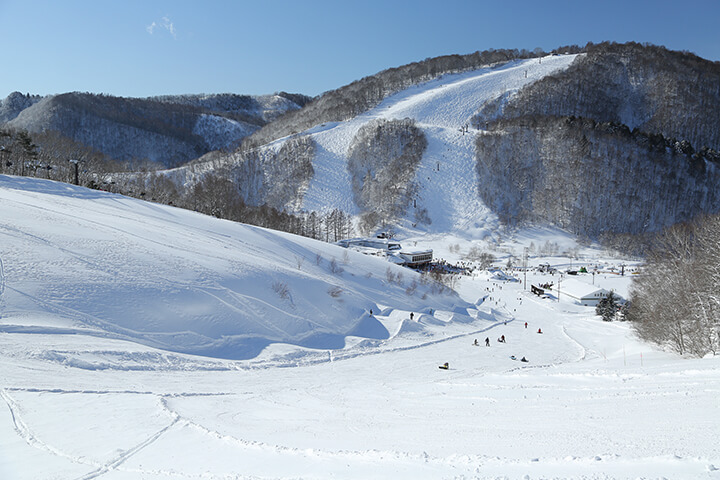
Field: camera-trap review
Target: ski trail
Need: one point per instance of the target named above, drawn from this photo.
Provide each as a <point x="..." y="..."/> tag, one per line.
<point x="286" y="453"/>
<point x="583" y="350"/>
<point x="29" y="437"/>
<point x="124" y="456"/>
<point x="26" y="434"/>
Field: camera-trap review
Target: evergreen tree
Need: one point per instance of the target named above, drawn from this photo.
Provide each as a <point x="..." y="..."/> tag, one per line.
<point x="29" y="150"/>
<point x="607" y="307"/>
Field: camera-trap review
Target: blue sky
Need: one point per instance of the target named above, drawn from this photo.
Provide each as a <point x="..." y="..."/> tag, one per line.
<point x="143" y="48"/>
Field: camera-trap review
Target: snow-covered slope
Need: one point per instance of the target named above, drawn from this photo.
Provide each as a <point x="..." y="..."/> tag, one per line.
<point x="91" y="283"/>
<point x="123" y="268"/>
<point x="447" y="175"/>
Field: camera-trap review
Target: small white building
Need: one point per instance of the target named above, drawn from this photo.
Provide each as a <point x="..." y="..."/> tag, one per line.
<point x="583" y="293"/>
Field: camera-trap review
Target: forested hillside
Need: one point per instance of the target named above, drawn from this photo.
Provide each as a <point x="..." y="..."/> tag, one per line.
<point x="381" y="164"/>
<point x="360" y="96"/>
<point x="15" y="103"/>
<point x="168" y="131"/>
<point x="625" y="141"/>
<point x="655" y="90"/>
<point x="382" y="161"/>
<point x="591" y="178"/>
<point x="447" y="143"/>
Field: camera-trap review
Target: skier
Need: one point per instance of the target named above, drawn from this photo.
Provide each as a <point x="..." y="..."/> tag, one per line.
<point x="525" y="324"/>
<point x="444" y="366"/>
<point x="502" y="338"/>
<point x="487" y="341"/>
<point x="523" y="359"/>
<point x="476" y="342"/>
<point x="371" y="312"/>
<point x="411" y="315"/>
<point x="539" y="330"/>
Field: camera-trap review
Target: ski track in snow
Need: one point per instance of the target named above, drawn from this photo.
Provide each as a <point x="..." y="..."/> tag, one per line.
<point x="114" y="464"/>
<point x="22" y="429"/>
<point x="124" y="456"/>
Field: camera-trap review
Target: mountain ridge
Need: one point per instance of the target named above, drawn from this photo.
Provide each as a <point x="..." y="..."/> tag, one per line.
<point x="593" y="87"/>
<point x="168" y="130"/>
<point x="473" y="121"/>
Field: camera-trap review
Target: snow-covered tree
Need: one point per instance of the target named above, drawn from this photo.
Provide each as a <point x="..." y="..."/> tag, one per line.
<point x="382" y="160"/>
<point x="607" y="307"/>
<point x="675" y="302"/>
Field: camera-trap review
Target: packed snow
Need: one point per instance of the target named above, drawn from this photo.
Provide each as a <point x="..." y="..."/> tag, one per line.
<point x="143" y="341"/>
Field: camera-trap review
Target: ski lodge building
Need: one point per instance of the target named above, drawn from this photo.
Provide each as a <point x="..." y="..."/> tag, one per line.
<point x="390" y="249"/>
<point x="581" y="292"/>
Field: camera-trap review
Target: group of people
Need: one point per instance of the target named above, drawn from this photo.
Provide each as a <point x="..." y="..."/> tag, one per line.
<point x="446" y="366"/>
<point x="487" y="341"/>
<point x="502" y="340"/>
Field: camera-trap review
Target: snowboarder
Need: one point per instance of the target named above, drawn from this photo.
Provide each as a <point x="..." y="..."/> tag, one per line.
<point x="444" y="366"/>
<point x="539" y="330"/>
<point x="487" y="341"/>
<point x="513" y="357"/>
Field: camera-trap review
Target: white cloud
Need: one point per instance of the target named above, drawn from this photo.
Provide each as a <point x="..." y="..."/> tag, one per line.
<point x="165" y="24"/>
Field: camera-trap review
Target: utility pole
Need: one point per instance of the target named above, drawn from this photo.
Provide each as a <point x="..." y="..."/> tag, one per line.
<point x="559" y="280"/>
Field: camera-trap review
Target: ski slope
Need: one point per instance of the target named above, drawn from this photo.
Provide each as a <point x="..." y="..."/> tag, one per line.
<point x="117" y="267"/>
<point x="106" y="298"/>
<point x="447" y="175"/>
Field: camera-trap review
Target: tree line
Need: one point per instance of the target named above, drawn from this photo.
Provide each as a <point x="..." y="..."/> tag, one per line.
<point x="47" y="155"/>
<point x="648" y="87"/>
<point x="593" y="178"/>
<point x="361" y="95"/>
<point x="382" y="159"/>
<point x="675" y="302"/>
